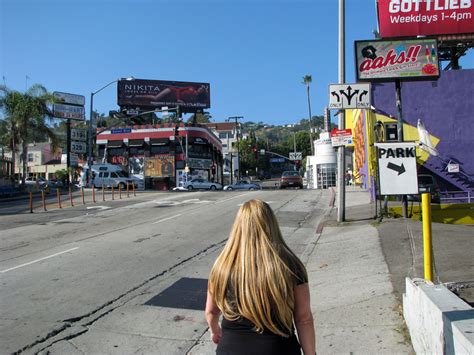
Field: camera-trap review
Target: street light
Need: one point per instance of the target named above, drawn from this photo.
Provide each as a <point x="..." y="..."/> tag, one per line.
<point x="89" y="153"/>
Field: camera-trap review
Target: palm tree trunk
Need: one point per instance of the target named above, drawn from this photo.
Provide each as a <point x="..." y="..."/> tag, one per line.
<point x="310" y="122"/>
<point x="13" y="150"/>
<point x="24" y="157"/>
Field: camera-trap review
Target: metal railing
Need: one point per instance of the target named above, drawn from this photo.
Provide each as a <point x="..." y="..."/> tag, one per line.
<point x="455" y="196"/>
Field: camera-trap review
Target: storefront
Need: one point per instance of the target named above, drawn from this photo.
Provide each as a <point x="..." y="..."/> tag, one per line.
<point x="164" y="156"/>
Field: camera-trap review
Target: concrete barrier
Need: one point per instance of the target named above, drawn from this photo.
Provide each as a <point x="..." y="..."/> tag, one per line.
<point x="439" y="322"/>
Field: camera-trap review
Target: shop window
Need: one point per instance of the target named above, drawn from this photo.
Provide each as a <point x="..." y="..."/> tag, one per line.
<point x="160" y="149"/>
<point x="136" y="151"/>
<point x="115" y="151"/>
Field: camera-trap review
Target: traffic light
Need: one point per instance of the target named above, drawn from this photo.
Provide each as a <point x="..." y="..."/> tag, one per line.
<point x="255" y="152"/>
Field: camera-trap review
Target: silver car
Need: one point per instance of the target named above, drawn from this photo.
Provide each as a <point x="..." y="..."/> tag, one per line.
<point x="202" y="184"/>
<point x="242" y="185"/>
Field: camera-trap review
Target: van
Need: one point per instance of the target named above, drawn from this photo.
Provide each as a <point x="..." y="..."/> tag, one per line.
<point x="110" y="175"/>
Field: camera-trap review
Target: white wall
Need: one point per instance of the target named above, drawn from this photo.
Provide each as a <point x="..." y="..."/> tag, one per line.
<point x="439" y="322"/>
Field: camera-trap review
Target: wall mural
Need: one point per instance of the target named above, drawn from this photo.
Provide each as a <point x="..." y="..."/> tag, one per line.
<point x="159" y="166"/>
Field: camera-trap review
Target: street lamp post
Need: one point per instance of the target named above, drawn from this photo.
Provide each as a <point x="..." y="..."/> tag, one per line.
<point x="91" y="114"/>
<point x="236" y="118"/>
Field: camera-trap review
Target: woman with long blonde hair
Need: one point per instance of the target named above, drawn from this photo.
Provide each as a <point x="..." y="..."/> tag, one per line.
<point x="261" y="288"/>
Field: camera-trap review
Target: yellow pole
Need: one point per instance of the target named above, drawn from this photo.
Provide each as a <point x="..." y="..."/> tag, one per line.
<point x="426" y="216"/>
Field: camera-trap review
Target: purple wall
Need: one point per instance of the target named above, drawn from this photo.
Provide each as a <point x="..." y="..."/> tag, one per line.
<point x="445" y="106"/>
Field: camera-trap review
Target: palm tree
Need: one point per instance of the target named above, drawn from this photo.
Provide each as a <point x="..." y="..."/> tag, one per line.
<point x="25" y="113"/>
<point x="307" y="80"/>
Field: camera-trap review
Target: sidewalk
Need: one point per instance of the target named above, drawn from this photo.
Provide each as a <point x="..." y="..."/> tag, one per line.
<point x="353" y="300"/>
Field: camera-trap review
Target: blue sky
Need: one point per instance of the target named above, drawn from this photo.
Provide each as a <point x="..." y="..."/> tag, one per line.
<point x="254" y="53"/>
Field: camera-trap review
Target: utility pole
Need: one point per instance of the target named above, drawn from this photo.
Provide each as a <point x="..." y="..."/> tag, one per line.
<point x="236" y="118"/>
<point x="398" y="89"/>
<point x="341" y="193"/>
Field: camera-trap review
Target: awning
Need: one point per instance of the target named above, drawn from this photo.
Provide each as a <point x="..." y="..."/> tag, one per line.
<point x="159" y="141"/>
<point x="135" y="142"/>
<point x="115" y="144"/>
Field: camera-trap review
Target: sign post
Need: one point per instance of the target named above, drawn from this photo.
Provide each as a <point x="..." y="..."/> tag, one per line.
<point x="70" y="107"/>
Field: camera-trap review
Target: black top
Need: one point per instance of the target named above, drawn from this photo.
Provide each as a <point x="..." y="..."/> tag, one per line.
<point x="240" y="337"/>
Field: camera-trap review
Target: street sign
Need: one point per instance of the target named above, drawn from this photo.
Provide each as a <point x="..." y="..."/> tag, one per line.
<point x="397" y="168"/>
<point x="72" y="99"/>
<point x="340" y="137"/>
<point x="453" y="168"/>
<point x="277" y="160"/>
<point x="68" y="111"/>
<point x="120" y="130"/>
<point x="342" y="96"/>
<point x="78" y="134"/>
<point x="78" y="147"/>
<point x="296" y="156"/>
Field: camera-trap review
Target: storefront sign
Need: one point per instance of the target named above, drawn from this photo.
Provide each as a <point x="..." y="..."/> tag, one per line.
<point x="71" y="99"/>
<point x="383" y="60"/>
<point x="159" y="166"/>
<point x="68" y="111"/>
<point x="402" y="18"/>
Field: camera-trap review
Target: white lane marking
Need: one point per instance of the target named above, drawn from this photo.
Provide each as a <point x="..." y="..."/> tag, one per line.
<point x="166" y="219"/>
<point x="38" y="260"/>
<point x="232" y="198"/>
<point x="98" y="207"/>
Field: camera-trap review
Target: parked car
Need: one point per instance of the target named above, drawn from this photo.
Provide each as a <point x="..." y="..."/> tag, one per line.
<point x="242" y="185"/>
<point x="426" y="183"/>
<point x="202" y="184"/>
<point x="291" y="179"/>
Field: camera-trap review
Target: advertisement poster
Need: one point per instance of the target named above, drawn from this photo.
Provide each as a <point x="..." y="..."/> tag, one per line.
<point x="159" y="166"/>
<point x="402" y="18"/>
<point x="158" y="93"/>
<point x="410" y="59"/>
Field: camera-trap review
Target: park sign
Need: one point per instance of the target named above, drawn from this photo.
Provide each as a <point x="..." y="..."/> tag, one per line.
<point x="401" y="59"/>
<point x="411" y="18"/>
<point x="397" y="168"/>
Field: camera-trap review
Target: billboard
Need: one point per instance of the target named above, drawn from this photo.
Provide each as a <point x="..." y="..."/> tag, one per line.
<point x="402" y="18"/>
<point x="402" y="59"/>
<point x="159" y="93"/>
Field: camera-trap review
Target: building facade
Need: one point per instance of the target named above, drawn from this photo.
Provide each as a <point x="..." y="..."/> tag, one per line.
<point x="164" y="156"/>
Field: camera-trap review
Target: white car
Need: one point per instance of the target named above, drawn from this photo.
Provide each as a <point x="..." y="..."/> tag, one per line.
<point x="202" y="184"/>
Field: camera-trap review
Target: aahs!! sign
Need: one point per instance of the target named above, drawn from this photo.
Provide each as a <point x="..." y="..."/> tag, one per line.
<point x="402" y="18"/>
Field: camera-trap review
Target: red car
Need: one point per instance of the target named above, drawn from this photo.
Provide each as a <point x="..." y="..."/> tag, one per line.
<point x="291" y="179"/>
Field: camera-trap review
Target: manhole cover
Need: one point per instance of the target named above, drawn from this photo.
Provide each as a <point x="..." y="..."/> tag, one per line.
<point x="186" y="293"/>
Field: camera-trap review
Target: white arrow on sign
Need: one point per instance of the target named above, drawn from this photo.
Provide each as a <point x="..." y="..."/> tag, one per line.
<point x="342" y="96"/>
<point x="296" y="156"/>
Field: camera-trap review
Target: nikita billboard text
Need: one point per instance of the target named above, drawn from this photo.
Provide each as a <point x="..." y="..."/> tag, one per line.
<point x="152" y="94"/>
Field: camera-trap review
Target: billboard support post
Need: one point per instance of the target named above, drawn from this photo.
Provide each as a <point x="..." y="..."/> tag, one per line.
<point x="341" y="195"/>
<point x="398" y="90"/>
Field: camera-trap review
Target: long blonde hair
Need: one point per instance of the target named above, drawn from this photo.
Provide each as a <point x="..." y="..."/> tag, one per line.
<point x="254" y="276"/>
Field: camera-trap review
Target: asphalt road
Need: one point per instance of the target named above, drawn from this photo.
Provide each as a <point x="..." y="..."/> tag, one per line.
<point x="63" y="270"/>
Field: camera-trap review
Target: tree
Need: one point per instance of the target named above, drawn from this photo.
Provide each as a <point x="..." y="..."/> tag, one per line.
<point x="307" y="80"/>
<point x="26" y="115"/>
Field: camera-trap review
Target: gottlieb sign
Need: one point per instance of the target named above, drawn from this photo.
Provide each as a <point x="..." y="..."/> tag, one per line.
<point x="189" y="96"/>
<point x="402" y="18"/>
